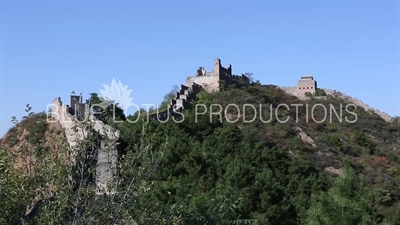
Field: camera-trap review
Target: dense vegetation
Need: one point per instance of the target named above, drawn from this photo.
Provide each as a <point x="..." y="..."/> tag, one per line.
<point x="216" y="172"/>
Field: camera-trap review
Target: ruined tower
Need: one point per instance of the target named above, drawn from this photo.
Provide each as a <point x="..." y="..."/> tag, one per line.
<point x="210" y="81"/>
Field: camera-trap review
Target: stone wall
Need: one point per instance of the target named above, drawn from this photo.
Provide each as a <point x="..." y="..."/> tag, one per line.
<point x="305" y="84"/>
<point x="73" y="132"/>
<point x="179" y="102"/>
<point x="359" y="103"/>
<point x="210" y="80"/>
<point x="209" y="83"/>
<point x="203" y="80"/>
<point x="292" y="90"/>
<point x="76" y="133"/>
<point x="337" y="94"/>
<point x="106" y="169"/>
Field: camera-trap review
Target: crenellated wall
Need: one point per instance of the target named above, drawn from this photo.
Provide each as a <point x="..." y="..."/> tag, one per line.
<point x="203" y="80"/>
<point x="179" y="102"/>
<point x="210" y="81"/>
<point x="75" y="133"/>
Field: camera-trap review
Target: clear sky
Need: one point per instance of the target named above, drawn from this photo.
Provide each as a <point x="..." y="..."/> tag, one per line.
<point x="50" y="48"/>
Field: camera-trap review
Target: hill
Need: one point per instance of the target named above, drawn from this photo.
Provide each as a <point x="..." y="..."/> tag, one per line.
<point x="262" y="164"/>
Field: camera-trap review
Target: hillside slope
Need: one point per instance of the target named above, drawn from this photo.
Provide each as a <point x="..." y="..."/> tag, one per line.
<point x="274" y="167"/>
<point x="273" y="172"/>
<point x="34" y="133"/>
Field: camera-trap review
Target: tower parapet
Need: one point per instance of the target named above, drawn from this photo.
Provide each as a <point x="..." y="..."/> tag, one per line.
<point x="210" y="81"/>
<point x="306" y="84"/>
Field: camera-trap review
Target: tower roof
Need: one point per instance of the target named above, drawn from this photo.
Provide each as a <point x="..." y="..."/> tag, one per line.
<point x="308" y="77"/>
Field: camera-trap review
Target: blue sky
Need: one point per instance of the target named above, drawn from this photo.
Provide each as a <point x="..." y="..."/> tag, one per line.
<point x="50" y="48"/>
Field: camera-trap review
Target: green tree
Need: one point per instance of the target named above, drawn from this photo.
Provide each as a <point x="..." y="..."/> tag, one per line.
<point x="319" y="92"/>
<point x="60" y="189"/>
<point x="106" y="111"/>
<point x="342" y="204"/>
<point x="168" y="97"/>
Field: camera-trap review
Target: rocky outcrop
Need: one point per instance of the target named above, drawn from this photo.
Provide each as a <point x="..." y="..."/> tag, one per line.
<point x="333" y="170"/>
<point x="304" y="137"/>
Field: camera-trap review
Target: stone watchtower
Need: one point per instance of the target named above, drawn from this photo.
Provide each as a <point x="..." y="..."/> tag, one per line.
<point x="210" y="81"/>
<point x="306" y="84"/>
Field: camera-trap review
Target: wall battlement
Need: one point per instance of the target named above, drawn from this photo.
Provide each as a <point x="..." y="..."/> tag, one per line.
<point x="203" y="80"/>
<point x="179" y="102"/>
<point x="210" y="81"/>
<point x="75" y="133"/>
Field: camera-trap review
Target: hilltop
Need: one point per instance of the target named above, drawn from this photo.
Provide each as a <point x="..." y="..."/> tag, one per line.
<point x="279" y="168"/>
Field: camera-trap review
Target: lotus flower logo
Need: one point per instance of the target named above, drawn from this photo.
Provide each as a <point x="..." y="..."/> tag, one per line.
<point x="115" y="94"/>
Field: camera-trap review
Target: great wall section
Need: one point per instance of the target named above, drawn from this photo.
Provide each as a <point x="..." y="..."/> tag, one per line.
<point x="210" y="81"/>
<point x="70" y="118"/>
<point x="292" y="90"/>
<point x="203" y="80"/>
<point x="69" y="115"/>
<point x="179" y="102"/>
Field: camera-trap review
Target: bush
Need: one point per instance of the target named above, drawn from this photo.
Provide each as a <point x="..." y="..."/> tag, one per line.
<point x="319" y="92"/>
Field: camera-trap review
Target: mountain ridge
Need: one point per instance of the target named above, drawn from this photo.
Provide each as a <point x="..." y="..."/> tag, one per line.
<point x="269" y="171"/>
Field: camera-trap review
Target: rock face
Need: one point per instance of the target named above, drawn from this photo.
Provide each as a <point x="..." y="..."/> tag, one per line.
<point x="333" y="170"/>
<point x="76" y="132"/>
<point x="304" y="137"/>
